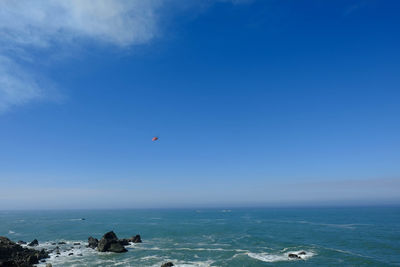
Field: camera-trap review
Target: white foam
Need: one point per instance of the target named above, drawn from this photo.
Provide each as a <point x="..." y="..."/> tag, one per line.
<point x="275" y="257"/>
<point x="11" y="232"/>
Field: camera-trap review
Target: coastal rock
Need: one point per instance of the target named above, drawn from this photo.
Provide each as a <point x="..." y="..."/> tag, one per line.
<point x="124" y="242"/>
<point x="33" y="243"/>
<point x="49" y="265"/>
<point x="93" y="242"/>
<point x="20" y="242"/>
<point x="12" y="254"/>
<point x="135" y="239"/>
<point x="110" y="242"/>
<point x="302" y="253"/>
<point x="77" y="244"/>
<point x="167" y="264"/>
<point x="61" y="243"/>
<point x="294" y="256"/>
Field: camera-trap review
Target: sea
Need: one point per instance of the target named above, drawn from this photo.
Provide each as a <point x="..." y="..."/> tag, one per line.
<point x="342" y="236"/>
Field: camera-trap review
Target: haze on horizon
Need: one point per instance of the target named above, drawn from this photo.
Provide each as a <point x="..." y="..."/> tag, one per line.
<point x="255" y="103"/>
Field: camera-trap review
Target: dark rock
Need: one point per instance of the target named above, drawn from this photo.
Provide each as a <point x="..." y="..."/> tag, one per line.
<point x="82" y="219"/>
<point x="54" y="244"/>
<point x="110" y="242"/>
<point x="293" y="256"/>
<point x="12" y="254"/>
<point x="167" y="264"/>
<point x="62" y="243"/>
<point x="77" y="244"/>
<point x="124" y="242"/>
<point x="135" y="239"/>
<point x="79" y="254"/>
<point x="302" y="253"/>
<point x="42" y="260"/>
<point x="70" y="254"/>
<point x="33" y="243"/>
<point x="93" y="242"/>
<point x="20" y="242"/>
<point x="117" y="247"/>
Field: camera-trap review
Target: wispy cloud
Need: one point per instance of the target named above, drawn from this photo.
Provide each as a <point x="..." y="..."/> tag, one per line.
<point x="27" y="26"/>
<point x="48" y="26"/>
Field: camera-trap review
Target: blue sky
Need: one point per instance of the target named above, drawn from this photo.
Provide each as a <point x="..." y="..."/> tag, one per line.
<point x="255" y="103"/>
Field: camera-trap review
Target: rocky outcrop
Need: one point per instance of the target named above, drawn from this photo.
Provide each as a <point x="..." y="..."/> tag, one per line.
<point x="93" y="242"/>
<point x="12" y="254"/>
<point x="135" y="239"/>
<point x="167" y="264"/>
<point x="297" y="255"/>
<point x="109" y="242"/>
<point x="34" y="243"/>
<point x="124" y="242"/>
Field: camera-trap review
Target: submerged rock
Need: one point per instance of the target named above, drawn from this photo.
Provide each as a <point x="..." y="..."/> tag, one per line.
<point x="12" y="254"/>
<point x="34" y="243"/>
<point x="109" y="242"/>
<point x="167" y="264"/>
<point x="302" y="253"/>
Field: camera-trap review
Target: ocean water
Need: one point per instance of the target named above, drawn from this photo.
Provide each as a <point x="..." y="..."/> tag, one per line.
<point x="217" y="237"/>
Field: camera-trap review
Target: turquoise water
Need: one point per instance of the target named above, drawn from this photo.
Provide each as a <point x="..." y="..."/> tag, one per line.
<point x="215" y="237"/>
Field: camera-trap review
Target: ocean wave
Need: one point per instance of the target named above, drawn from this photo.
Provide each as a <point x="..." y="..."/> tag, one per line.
<point x="275" y="257"/>
<point x="336" y="225"/>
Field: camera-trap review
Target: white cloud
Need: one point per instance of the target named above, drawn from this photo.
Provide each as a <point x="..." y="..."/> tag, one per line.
<point x="40" y="25"/>
<point x="28" y="26"/>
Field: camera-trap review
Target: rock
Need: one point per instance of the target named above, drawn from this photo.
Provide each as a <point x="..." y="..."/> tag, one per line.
<point x="293" y="256"/>
<point x="135" y="239"/>
<point x="124" y="242"/>
<point x="167" y="264"/>
<point x="49" y="265"/>
<point x="54" y="244"/>
<point x="79" y="254"/>
<point x="33" y="243"/>
<point x="70" y="254"/>
<point x="117" y="247"/>
<point x="93" y="242"/>
<point x="12" y="254"/>
<point x="20" y="242"/>
<point x="302" y="253"/>
<point x="110" y="242"/>
<point x="62" y="243"/>
<point x="82" y="219"/>
<point x="77" y="244"/>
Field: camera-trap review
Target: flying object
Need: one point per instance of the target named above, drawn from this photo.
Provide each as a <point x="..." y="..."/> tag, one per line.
<point x="155" y="138"/>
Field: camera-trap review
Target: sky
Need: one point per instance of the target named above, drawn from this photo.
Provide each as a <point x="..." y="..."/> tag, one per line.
<point x="255" y="103"/>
